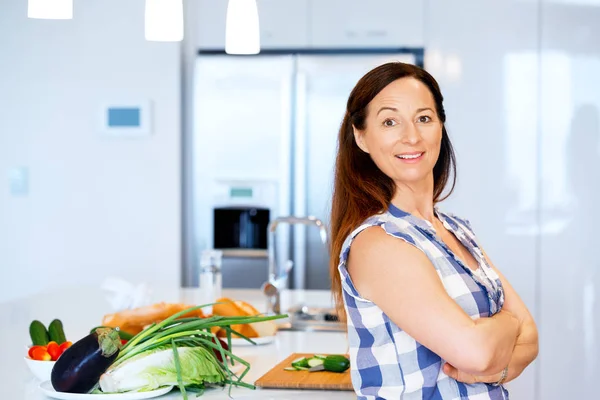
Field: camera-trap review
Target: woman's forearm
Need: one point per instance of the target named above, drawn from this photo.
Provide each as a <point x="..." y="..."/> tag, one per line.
<point x="525" y="351"/>
<point x="499" y="336"/>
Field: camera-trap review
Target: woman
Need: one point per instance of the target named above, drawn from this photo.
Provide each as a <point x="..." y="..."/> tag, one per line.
<point x="429" y="316"/>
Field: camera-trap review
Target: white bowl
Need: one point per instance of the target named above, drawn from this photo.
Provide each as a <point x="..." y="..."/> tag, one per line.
<point x="41" y="369"/>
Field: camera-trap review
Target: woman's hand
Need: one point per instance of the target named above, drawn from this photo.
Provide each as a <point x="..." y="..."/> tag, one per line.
<point x="464" y="377"/>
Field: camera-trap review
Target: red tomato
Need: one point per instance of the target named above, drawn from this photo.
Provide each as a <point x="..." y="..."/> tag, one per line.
<point x="40" y="354"/>
<point x="32" y="348"/>
<point x="54" y="350"/>
<point x="65" y="346"/>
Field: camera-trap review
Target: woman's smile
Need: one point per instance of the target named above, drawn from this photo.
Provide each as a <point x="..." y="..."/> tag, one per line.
<point x="411" y="158"/>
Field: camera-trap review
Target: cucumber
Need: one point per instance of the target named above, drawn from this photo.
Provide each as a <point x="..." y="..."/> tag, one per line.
<point x="313" y="362"/>
<point x="331" y="363"/>
<point x="124" y="335"/>
<point x="56" y="332"/>
<point x="39" y="334"/>
<point x="336" y="363"/>
<point x="301" y="362"/>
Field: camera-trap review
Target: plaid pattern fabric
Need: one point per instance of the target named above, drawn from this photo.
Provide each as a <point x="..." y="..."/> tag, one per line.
<point x="386" y="362"/>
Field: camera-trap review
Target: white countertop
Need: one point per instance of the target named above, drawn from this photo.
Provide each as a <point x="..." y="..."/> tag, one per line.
<point x="82" y="308"/>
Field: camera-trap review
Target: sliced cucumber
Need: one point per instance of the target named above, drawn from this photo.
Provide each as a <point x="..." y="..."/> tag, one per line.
<point x="319" y="362"/>
<point x="313" y="362"/>
<point x="301" y="362"/>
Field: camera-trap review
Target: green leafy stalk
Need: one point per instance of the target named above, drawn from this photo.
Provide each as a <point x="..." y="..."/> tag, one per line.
<point x="155" y="333"/>
<point x="178" y="369"/>
<point x="228" y="331"/>
<point x="154" y="327"/>
<point x="201" y="323"/>
<point x="154" y="344"/>
<point x="210" y="344"/>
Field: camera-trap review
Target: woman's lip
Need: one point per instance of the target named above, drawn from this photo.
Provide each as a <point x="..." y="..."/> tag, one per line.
<point x="411" y="160"/>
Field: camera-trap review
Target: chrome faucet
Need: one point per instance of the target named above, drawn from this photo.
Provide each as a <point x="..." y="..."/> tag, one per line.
<point x="272" y="288"/>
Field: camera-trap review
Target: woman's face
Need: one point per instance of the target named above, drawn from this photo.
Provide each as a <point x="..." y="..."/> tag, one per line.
<point x="403" y="132"/>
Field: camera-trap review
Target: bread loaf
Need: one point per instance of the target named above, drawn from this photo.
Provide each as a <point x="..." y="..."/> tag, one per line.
<point x="231" y="308"/>
<point x="135" y="320"/>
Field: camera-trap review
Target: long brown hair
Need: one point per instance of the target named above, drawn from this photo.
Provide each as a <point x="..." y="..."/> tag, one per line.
<point x="360" y="189"/>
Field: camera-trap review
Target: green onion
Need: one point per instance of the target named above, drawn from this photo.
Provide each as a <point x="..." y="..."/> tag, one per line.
<point x="194" y="332"/>
<point x="178" y="368"/>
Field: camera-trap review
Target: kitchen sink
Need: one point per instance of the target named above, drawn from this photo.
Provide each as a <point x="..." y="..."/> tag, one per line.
<point x="305" y="318"/>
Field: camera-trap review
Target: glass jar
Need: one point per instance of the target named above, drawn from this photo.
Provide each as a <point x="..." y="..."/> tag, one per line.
<point x="210" y="279"/>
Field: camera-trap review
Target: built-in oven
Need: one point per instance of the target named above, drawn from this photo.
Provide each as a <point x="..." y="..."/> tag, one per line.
<point x="240" y="231"/>
<point x="233" y="216"/>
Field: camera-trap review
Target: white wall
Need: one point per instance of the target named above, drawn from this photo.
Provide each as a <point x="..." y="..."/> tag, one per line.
<point x="97" y="206"/>
<point x="570" y="186"/>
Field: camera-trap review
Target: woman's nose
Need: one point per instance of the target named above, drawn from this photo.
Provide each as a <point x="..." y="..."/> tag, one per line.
<point x="410" y="134"/>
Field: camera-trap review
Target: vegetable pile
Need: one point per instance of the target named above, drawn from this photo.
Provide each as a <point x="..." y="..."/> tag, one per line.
<point x="175" y="352"/>
<point x="48" y="344"/>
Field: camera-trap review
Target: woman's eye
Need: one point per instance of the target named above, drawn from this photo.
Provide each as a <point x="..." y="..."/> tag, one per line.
<point x="389" y="122"/>
<point x="424" y="119"/>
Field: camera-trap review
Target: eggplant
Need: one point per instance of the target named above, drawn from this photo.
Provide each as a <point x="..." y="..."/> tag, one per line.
<point x="79" y="368"/>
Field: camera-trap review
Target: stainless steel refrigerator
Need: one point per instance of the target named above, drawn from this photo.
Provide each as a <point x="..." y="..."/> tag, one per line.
<point x="272" y="121"/>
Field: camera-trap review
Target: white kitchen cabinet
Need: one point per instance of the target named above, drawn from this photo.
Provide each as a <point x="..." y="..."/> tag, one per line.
<point x="569" y="317"/>
<point x="366" y="24"/>
<point x="210" y="24"/>
<point x="283" y="24"/>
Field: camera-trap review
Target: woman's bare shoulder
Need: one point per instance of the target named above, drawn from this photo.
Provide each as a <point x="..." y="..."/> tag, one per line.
<point x="378" y="247"/>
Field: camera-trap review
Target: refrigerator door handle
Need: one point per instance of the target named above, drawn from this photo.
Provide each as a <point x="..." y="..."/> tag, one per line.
<point x="299" y="181"/>
<point x="282" y="242"/>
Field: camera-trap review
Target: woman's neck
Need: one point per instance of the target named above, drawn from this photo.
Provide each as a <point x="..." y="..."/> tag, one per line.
<point x="416" y="199"/>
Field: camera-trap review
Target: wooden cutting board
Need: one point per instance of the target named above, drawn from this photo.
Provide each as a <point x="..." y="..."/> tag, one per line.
<point x="278" y="378"/>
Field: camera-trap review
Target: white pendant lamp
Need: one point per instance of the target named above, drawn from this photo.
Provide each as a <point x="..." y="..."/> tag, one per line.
<point x="50" y="9"/>
<point x="242" y="34"/>
<point x="164" y="20"/>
